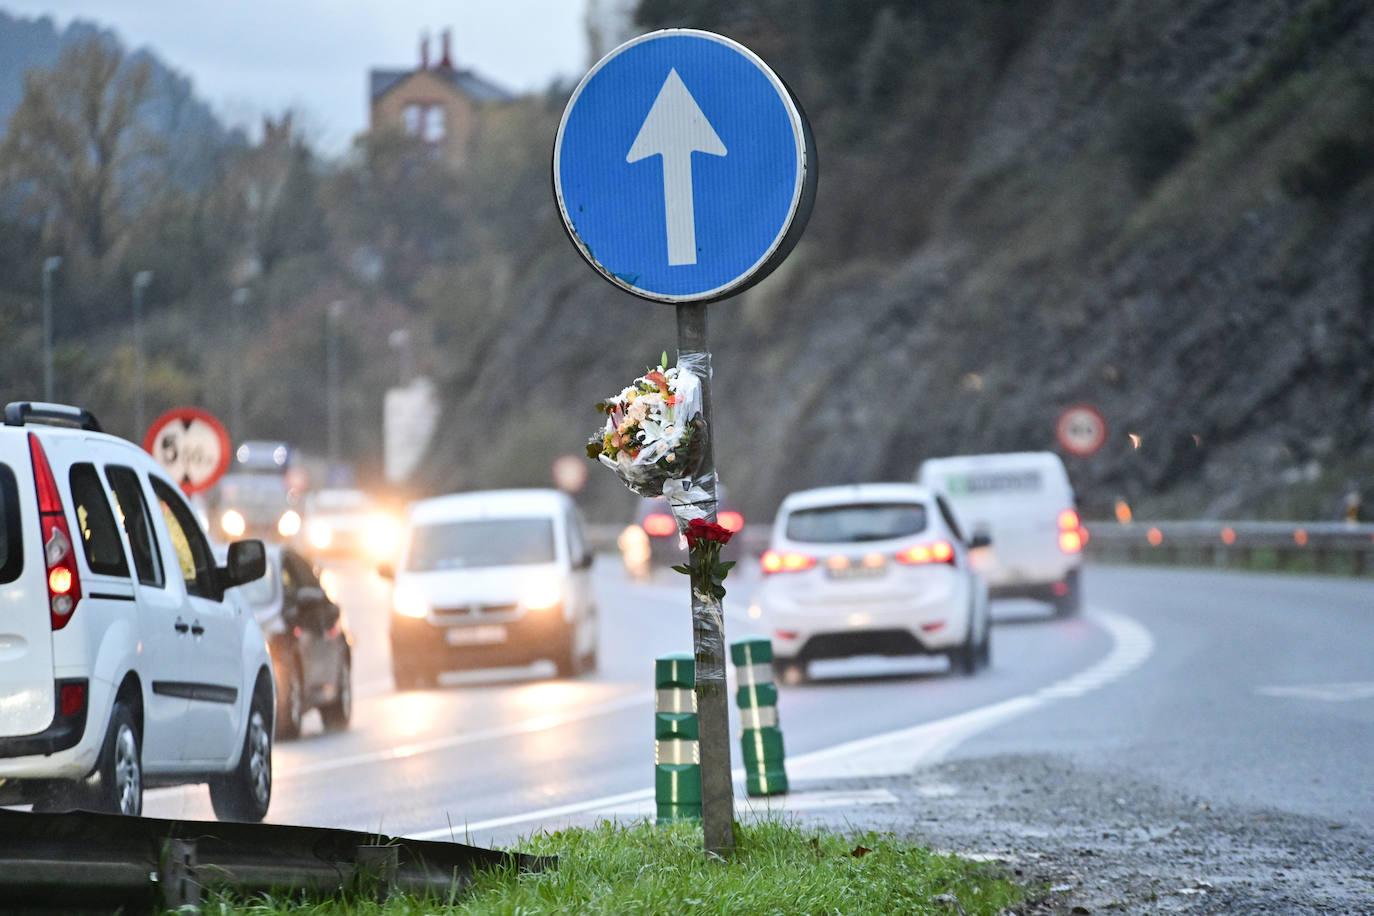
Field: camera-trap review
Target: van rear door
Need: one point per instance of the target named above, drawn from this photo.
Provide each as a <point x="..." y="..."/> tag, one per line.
<point x="26" y="663"/>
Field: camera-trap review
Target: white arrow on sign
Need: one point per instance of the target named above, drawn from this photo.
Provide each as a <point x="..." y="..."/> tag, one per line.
<point x="674" y="129"/>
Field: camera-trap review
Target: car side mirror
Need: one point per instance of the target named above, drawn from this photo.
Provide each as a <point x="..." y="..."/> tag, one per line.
<point x="387" y="571"/>
<point x="980" y="540"/>
<point x="247" y="563"/>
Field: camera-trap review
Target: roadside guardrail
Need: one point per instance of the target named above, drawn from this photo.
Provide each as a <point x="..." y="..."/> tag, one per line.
<point x="58" y="862"/>
<point x="1336" y="547"/>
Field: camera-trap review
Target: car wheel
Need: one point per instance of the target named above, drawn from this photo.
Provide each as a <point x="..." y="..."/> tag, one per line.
<point x="985" y="647"/>
<point x="589" y="662"/>
<point x="565" y="659"/>
<point x="118" y="782"/>
<point x="290" y="699"/>
<point x="1071" y="602"/>
<point x="337" y="713"/>
<point x="964" y="660"/>
<point x="790" y="673"/>
<point x="245" y="793"/>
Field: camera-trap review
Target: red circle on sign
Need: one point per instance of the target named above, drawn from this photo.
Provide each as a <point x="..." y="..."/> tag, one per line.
<point x="1081" y="430"/>
<point x="187" y="418"/>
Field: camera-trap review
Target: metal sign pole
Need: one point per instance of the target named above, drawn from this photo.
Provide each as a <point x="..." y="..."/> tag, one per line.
<point x="708" y="635"/>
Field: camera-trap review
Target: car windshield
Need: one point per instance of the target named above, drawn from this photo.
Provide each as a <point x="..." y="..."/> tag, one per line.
<point x="856" y="522"/>
<point x="254" y="491"/>
<point x="481" y="543"/>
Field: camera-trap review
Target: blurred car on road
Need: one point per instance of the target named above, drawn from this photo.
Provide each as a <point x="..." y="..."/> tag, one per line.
<point x="260" y="497"/>
<point x="653" y="542"/>
<point x="1024" y="502"/>
<point x="312" y="652"/>
<point x="349" y="524"/>
<point x="492" y="579"/>
<point x="871" y="569"/>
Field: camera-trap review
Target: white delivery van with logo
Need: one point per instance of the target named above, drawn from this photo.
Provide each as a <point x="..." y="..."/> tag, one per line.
<point x="1024" y="502"/>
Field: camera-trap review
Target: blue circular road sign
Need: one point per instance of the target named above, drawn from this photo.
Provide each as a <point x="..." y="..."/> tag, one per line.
<point x="684" y="168"/>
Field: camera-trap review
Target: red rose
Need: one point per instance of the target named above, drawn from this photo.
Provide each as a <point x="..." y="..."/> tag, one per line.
<point x="698" y="530"/>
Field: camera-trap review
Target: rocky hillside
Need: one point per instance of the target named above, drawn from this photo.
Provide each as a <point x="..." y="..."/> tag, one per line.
<point x="1165" y="209"/>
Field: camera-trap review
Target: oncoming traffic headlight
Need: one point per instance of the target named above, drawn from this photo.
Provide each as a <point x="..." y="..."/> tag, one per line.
<point x="382" y="536"/>
<point x="232" y="523"/>
<point x="289" y="525"/>
<point x="408" y="602"/>
<point x="542" y="595"/>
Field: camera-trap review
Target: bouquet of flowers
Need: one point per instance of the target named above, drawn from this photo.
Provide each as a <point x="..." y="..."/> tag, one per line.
<point x="653" y="430"/>
<point x="708" y="572"/>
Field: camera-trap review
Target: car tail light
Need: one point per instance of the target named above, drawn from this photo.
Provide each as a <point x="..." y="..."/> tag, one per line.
<point x="776" y="562"/>
<point x="659" y="525"/>
<point x="1072" y="534"/>
<point x="64" y="582"/>
<point x="927" y="554"/>
<point x="731" y="521"/>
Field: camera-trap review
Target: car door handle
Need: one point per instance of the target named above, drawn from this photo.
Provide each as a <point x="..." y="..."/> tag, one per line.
<point x="197" y="629"/>
<point x="181" y="626"/>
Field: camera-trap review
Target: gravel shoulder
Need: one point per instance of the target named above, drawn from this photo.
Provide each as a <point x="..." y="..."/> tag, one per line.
<point x="1086" y="840"/>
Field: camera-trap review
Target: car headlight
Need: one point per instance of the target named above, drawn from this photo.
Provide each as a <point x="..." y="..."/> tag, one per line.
<point x="382" y="536"/>
<point x="289" y="525"/>
<point x="542" y="595"/>
<point x="232" y="523"/>
<point x="408" y="602"/>
<point x="320" y="535"/>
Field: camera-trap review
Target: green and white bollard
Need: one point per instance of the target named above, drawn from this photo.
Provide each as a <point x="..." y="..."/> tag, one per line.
<point x="760" y="738"/>
<point x="677" y="754"/>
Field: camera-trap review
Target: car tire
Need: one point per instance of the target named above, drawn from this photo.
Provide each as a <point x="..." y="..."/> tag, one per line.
<point x="337" y="714"/>
<point x="290" y="698"/>
<point x="245" y="793"/>
<point x="790" y="673"/>
<point x="116" y="787"/>
<point x="1071" y="602"/>
<point x="964" y="660"/>
<point x="565" y="659"/>
<point x="985" y="647"/>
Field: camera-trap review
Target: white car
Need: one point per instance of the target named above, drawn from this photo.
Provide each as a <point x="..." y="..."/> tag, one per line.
<point x="126" y="660"/>
<point x="492" y="579"/>
<point x="349" y="524"/>
<point x="1023" y="501"/>
<point x="871" y="569"/>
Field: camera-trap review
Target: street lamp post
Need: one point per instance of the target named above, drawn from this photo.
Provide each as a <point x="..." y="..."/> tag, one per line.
<point x="50" y="265"/>
<point x="331" y="342"/>
<point x="237" y="302"/>
<point x="141" y="281"/>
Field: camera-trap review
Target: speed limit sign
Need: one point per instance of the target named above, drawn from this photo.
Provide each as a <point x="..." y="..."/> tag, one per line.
<point x="1081" y="430"/>
<point x="192" y="447"/>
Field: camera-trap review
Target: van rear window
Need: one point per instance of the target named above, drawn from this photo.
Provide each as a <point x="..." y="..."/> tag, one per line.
<point x="11" y="546"/>
<point x="857" y="522"/>
<point x="990" y="483"/>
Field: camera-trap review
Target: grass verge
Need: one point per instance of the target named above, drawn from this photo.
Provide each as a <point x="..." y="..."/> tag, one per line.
<point x="640" y="869"/>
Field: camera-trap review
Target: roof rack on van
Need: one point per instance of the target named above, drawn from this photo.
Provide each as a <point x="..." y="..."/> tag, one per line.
<point x="19" y="413"/>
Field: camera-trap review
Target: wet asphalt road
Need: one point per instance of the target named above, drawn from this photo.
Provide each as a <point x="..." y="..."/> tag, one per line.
<point x="1230" y="702"/>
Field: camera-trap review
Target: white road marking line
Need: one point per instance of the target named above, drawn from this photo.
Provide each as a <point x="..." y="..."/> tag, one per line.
<point x="524" y="727"/>
<point x="1329" y="693"/>
<point x="792" y="803"/>
<point x="901" y="751"/>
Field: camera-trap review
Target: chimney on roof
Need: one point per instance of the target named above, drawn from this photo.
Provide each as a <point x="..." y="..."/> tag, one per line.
<point x="446" y="59"/>
<point x="424" y="50"/>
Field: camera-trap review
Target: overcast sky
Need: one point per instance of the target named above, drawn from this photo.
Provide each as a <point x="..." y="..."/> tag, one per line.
<point x="253" y="56"/>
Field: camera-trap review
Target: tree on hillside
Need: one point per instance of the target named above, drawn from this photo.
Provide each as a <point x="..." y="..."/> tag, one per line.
<point x="73" y="141"/>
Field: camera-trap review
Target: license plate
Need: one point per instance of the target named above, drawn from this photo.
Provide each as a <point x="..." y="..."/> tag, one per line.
<point x="483" y="635"/>
<point x="858" y="571"/>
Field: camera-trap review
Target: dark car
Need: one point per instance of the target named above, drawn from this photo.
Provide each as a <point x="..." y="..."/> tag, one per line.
<point x="311" y="649"/>
<point x="665" y="548"/>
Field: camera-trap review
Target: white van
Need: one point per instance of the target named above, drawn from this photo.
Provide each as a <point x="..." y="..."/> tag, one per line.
<point x="126" y="657"/>
<point x="492" y="579"/>
<point x="1024" y="502"/>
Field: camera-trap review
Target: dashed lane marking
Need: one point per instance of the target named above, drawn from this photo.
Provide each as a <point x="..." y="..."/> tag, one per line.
<point x="1327" y="693"/>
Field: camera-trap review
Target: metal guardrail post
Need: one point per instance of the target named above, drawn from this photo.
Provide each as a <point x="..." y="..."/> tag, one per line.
<point x="760" y="740"/>
<point x="374" y="870"/>
<point x="177" y="875"/>
<point x="677" y="733"/>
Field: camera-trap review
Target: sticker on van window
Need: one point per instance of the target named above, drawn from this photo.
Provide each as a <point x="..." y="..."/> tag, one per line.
<point x="990" y="482"/>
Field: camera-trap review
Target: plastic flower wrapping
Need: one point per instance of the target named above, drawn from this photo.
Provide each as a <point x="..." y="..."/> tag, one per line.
<point x="653" y="431"/>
